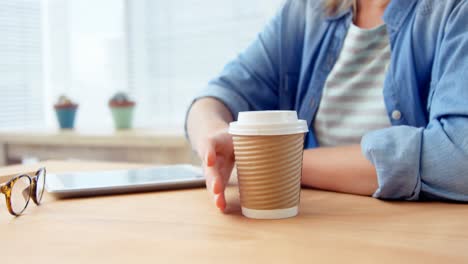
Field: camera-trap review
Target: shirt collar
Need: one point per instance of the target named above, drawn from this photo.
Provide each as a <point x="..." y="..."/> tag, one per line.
<point x="395" y="14"/>
<point x="339" y="14"/>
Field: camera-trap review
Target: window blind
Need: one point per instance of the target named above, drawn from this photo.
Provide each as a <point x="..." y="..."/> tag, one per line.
<point x="21" y="93"/>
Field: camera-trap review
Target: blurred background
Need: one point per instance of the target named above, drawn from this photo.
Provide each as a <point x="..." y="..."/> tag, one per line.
<point x="159" y="52"/>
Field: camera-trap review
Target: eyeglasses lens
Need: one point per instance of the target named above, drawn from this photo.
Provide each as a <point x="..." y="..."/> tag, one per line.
<point x="20" y="194"/>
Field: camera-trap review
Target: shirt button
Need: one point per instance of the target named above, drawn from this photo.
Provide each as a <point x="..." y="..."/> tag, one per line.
<point x="396" y="115"/>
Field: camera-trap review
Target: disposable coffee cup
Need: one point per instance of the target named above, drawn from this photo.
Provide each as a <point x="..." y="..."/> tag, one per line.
<point x="268" y="148"/>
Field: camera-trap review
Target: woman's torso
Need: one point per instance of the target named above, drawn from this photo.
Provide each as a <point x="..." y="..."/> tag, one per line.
<point x="311" y="44"/>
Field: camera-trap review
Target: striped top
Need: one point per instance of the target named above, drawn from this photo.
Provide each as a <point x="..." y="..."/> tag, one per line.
<point x="352" y="100"/>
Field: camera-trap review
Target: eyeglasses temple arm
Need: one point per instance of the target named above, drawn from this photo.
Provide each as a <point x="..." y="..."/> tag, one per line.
<point x="7" y="177"/>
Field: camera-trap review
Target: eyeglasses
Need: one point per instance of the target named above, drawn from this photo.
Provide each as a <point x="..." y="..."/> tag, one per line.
<point x="19" y="190"/>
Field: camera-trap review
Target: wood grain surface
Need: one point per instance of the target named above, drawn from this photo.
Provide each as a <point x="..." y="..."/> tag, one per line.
<point x="183" y="226"/>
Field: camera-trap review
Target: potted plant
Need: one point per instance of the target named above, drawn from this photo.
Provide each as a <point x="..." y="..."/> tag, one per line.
<point x="122" y="110"/>
<point x="65" y="110"/>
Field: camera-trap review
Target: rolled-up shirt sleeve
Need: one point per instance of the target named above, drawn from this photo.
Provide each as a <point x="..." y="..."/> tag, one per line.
<point x="430" y="162"/>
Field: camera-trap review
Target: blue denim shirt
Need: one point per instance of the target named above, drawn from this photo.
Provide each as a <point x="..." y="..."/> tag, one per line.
<point x="424" y="154"/>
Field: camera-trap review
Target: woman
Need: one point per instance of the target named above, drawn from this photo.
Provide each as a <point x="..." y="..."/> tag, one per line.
<point x="383" y="85"/>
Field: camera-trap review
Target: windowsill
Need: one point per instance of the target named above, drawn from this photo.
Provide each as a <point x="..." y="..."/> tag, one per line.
<point x="139" y="137"/>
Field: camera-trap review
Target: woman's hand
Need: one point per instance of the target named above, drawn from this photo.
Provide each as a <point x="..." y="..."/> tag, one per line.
<point x="207" y="126"/>
<point x="217" y="153"/>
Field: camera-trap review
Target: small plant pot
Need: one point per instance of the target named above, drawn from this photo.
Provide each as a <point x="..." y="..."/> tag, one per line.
<point x="123" y="116"/>
<point x="66" y="116"/>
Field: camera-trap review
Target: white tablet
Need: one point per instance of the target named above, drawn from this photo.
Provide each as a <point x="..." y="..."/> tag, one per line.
<point x="124" y="181"/>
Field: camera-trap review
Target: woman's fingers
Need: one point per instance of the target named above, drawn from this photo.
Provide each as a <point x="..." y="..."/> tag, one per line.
<point x="212" y="177"/>
<point x="209" y="164"/>
<point x="220" y="201"/>
<point x="216" y="185"/>
<point x="216" y="167"/>
<point x="209" y="181"/>
<point x="210" y="153"/>
<point x="219" y="184"/>
<point x="210" y="174"/>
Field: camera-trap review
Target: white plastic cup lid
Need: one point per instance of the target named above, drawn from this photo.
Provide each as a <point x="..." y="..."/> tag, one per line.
<point x="268" y="123"/>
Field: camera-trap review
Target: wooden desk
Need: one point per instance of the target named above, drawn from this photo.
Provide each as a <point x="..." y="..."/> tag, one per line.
<point x="184" y="227"/>
<point x="163" y="146"/>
